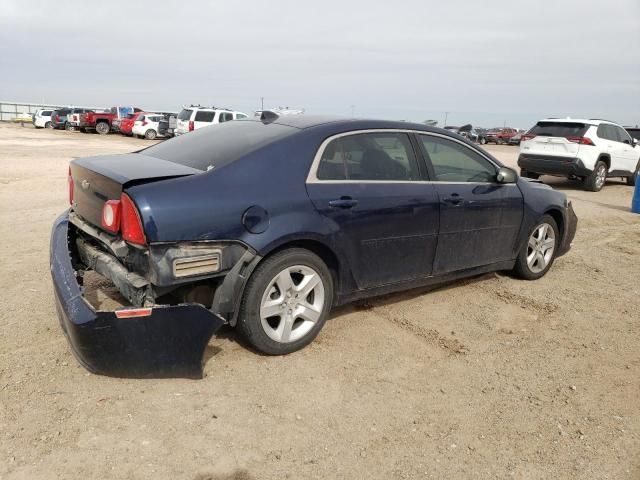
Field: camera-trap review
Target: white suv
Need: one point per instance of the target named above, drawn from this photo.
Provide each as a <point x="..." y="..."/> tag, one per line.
<point x="42" y="118"/>
<point x="588" y="150"/>
<point x="192" y="118"/>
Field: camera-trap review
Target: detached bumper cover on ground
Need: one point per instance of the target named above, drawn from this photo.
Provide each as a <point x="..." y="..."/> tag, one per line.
<point x="170" y="342"/>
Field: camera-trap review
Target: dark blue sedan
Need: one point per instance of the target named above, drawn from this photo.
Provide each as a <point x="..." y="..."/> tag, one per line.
<point x="266" y="224"/>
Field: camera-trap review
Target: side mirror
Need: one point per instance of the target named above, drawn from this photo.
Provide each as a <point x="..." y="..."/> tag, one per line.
<point x="635" y="141"/>
<point x="506" y="175"/>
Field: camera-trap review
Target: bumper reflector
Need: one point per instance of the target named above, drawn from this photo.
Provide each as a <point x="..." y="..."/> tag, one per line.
<point x="133" y="312"/>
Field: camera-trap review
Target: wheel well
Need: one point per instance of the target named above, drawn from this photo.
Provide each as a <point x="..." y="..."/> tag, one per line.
<point x="557" y="216"/>
<point x="606" y="159"/>
<point x="320" y="249"/>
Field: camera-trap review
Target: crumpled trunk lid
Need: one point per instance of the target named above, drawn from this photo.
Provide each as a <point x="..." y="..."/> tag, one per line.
<point x="99" y="179"/>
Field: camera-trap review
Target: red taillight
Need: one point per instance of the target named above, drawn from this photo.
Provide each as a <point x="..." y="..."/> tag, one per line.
<point x="130" y="222"/>
<point x="111" y="213"/>
<point x="580" y="140"/>
<point x="527" y="136"/>
<point x="191" y="126"/>
<point x="70" y="184"/>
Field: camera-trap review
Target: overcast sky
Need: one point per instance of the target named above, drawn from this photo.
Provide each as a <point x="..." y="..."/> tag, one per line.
<point x="484" y="62"/>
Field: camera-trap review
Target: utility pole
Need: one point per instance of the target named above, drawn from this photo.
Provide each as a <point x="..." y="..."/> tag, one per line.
<point x="446" y="114"/>
<point x="262" y="103"/>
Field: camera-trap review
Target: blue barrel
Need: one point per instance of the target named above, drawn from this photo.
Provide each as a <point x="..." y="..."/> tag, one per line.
<point x="635" y="203"/>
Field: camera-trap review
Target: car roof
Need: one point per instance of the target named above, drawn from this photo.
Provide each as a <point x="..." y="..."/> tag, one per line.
<point x="305" y="121"/>
<point x="591" y="121"/>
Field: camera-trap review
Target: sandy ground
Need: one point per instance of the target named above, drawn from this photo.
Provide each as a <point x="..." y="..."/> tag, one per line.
<point x="487" y="378"/>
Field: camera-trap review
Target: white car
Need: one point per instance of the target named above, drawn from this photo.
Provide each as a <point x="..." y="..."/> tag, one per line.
<point x="587" y="150"/>
<point x="193" y="118"/>
<point x="42" y="118"/>
<point x="150" y="126"/>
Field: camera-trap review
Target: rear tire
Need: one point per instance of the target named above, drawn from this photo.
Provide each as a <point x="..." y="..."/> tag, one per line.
<point x="483" y="141"/>
<point x="69" y="127"/>
<point x="597" y="178"/>
<point x="538" y="253"/>
<point x="272" y="317"/>
<point x="150" y="134"/>
<point x="48" y="125"/>
<point x="527" y="174"/>
<point x="103" y="128"/>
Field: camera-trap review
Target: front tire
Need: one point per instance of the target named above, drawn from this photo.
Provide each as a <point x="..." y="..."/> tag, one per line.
<point x="286" y="302"/>
<point x="69" y="127"/>
<point x="537" y="255"/>
<point x="631" y="180"/>
<point x="103" y="128"/>
<point x="48" y="125"/>
<point x="597" y="178"/>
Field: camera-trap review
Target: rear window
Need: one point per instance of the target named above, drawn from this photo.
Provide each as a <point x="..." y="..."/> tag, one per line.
<point x="216" y="147"/>
<point x="204" y="116"/>
<point x="559" y="129"/>
<point x="185" y="114"/>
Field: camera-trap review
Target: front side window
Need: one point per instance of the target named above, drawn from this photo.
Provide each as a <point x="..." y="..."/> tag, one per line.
<point x="240" y="115"/>
<point x="369" y="156"/>
<point x="204" y="116"/>
<point x="622" y="135"/>
<point x="454" y="162"/>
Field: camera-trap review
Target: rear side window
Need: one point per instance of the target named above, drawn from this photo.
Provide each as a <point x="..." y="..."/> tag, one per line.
<point x="207" y="148"/>
<point x="204" y="116"/>
<point x="559" y="129"/>
<point x="225" y="117"/>
<point x="369" y="156"/>
<point x="46" y="113"/>
<point x="453" y="162"/>
<point x="607" y="132"/>
<point x="185" y="114"/>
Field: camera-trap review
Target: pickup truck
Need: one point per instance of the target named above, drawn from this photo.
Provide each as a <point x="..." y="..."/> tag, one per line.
<point x="500" y="135"/>
<point x="105" y="122"/>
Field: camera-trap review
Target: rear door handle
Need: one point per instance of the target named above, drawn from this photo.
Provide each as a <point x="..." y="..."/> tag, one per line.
<point x="455" y="200"/>
<point x="343" y="202"/>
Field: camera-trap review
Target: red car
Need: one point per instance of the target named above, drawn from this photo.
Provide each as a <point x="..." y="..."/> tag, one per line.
<point x="500" y="135"/>
<point x="126" y="124"/>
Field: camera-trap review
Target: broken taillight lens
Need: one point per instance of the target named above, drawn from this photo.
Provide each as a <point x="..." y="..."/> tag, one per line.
<point x="130" y="222"/>
<point x="111" y="213"/>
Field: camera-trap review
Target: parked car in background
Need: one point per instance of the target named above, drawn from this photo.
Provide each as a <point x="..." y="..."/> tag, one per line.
<point x="195" y="117"/>
<point x="151" y="126"/>
<point x="42" y="118"/>
<point x="500" y="136"/>
<point x="59" y="118"/>
<point x="272" y="261"/>
<point x="73" y="117"/>
<point x="634" y="132"/>
<point x="105" y="122"/>
<point x="515" y="140"/>
<point x="588" y="150"/>
<point x="126" y="124"/>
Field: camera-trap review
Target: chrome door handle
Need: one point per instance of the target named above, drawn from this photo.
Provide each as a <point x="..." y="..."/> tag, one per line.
<point x="344" y="203"/>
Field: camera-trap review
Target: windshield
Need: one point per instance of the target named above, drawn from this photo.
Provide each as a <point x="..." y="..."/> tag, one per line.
<point x="214" y="147"/>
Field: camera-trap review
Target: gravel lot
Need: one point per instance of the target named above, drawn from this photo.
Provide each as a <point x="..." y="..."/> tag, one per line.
<point x="486" y="378"/>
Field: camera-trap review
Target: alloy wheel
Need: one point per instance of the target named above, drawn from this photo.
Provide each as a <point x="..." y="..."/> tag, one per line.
<point x="601" y="176"/>
<point x="541" y="246"/>
<point x="292" y="304"/>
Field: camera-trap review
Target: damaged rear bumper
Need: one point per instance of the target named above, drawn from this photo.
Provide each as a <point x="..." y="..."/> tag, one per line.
<point x="168" y="342"/>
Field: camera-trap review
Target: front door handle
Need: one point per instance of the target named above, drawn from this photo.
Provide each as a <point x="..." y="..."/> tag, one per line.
<point x="455" y="200"/>
<point x="343" y="202"/>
